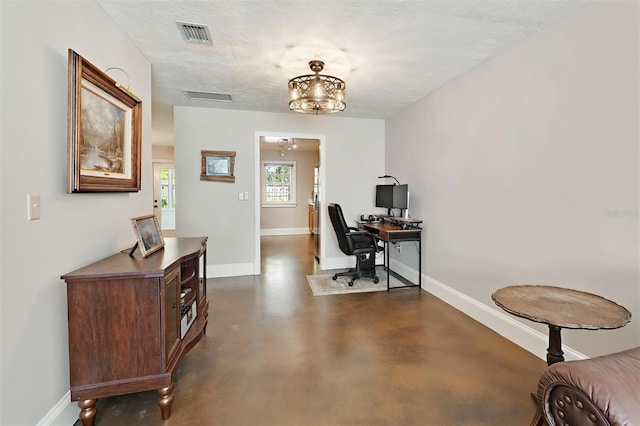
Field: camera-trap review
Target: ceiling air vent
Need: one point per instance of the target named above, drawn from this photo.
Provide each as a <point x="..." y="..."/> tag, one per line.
<point x="194" y="33"/>
<point x="206" y="96"/>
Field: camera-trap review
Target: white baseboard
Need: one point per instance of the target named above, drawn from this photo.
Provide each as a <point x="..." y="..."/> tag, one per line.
<point x="506" y="325"/>
<point x="240" y="269"/>
<point x="342" y="262"/>
<point x="284" y="231"/>
<point x="64" y="413"/>
<point x="230" y="270"/>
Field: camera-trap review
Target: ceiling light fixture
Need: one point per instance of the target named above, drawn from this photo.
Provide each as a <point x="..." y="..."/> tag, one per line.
<point x="316" y="93"/>
<point x="285" y="145"/>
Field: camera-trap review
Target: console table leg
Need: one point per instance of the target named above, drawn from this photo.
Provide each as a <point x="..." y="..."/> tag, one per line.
<point x="87" y="411"/>
<point x="554" y="351"/>
<point x="165" y="401"/>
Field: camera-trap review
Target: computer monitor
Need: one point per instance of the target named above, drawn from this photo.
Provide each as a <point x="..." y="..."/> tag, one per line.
<point x="401" y="196"/>
<point x="393" y="197"/>
<point x="384" y="196"/>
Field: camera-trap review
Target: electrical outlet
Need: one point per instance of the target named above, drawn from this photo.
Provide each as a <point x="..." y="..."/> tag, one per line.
<point x="246" y="195"/>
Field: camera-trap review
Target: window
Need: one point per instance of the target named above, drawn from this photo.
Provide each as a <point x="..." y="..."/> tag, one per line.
<point x="167" y="199"/>
<point x="168" y="188"/>
<point x="316" y="180"/>
<point x="278" y="184"/>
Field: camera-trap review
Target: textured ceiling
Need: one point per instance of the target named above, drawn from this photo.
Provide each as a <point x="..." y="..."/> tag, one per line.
<point x="390" y="52"/>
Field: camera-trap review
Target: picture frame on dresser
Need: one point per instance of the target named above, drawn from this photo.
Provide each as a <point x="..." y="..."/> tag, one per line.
<point x="148" y="234"/>
<point x="104" y="134"/>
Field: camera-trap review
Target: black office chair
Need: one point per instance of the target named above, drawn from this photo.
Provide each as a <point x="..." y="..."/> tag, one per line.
<point x="353" y="242"/>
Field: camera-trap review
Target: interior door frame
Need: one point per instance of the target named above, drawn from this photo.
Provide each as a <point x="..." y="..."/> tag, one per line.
<point x="258" y="188"/>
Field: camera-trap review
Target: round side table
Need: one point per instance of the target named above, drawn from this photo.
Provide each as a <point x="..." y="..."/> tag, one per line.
<point x="561" y="308"/>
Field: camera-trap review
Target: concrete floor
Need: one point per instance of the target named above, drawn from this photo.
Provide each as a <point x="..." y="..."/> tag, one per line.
<point x="276" y="355"/>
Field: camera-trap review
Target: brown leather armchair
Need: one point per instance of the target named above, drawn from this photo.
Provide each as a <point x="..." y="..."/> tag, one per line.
<point x="598" y="391"/>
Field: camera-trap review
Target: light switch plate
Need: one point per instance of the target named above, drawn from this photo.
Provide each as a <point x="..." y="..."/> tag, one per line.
<point x="33" y="206"/>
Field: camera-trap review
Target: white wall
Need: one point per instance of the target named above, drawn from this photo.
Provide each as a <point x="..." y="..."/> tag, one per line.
<point x="162" y="153"/>
<point x="74" y="229"/>
<point x="526" y="169"/>
<point x="354" y="158"/>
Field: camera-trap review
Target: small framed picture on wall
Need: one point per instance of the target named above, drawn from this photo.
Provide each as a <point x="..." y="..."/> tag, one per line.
<point x="218" y="166"/>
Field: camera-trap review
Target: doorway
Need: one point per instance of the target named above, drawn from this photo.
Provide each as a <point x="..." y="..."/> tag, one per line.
<point x="164" y="197"/>
<point x="303" y="199"/>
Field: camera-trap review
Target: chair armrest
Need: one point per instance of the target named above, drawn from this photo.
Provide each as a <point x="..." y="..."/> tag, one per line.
<point x="358" y="233"/>
<point x="567" y="405"/>
<point x="597" y="391"/>
<point x="363" y="241"/>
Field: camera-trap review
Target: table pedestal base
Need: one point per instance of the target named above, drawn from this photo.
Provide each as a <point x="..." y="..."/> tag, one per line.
<point x="554" y="351"/>
<point x="554" y="354"/>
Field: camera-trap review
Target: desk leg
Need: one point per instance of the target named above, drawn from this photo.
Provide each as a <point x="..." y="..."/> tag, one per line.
<point x="386" y="262"/>
<point x="420" y="263"/>
<point x="554" y="351"/>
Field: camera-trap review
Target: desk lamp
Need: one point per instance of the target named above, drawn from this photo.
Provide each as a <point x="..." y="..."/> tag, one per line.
<point x="388" y="176"/>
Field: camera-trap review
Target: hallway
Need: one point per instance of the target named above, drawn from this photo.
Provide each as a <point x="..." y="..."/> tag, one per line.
<point x="276" y="355"/>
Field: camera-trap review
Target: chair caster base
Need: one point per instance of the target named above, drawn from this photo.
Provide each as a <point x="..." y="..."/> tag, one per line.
<point x="354" y="275"/>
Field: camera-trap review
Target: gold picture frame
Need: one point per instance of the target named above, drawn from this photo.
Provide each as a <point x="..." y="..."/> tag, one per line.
<point x="104" y="135"/>
<point x="148" y="234"/>
<point x="218" y="166"/>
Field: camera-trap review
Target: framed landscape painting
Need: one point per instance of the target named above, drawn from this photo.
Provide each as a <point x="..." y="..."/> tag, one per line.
<point x="104" y="132"/>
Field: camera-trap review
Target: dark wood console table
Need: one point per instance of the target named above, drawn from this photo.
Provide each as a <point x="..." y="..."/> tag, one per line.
<point x="132" y="319"/>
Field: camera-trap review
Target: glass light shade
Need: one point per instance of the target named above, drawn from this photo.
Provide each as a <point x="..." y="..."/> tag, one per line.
<point x="317" y="93"/>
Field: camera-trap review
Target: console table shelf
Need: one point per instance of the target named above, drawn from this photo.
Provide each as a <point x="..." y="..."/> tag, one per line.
<point x="128" y="329"/>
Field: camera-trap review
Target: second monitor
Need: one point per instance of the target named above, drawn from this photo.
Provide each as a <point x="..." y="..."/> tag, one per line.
<point x="393" y="197"/>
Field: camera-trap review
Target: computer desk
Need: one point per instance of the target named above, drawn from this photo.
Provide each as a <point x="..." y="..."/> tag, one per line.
<point x="396" y="230"/>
